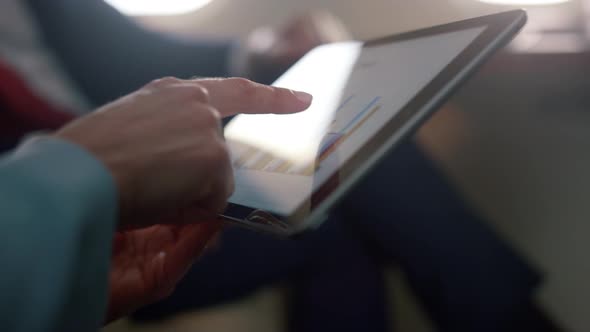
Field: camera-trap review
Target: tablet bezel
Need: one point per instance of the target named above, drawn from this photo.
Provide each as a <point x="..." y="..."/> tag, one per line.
<point x="499" y="30"/>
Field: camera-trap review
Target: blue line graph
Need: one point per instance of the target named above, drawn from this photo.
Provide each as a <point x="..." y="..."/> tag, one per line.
<point x="335" y="137"/>
<point x="344" y="103"/>
<point x="359" y="116"/>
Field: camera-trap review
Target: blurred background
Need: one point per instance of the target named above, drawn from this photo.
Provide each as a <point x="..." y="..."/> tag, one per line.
<point x="515" y="141"/>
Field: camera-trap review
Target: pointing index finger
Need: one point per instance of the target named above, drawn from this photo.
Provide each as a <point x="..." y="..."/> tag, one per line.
<point x="238" y="95"/>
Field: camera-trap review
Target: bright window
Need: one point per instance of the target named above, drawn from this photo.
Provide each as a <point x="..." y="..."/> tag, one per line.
<point x="157" y="7"/>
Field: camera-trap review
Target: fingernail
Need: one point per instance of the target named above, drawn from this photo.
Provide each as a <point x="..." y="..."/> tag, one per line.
<point x="304" y="97"/>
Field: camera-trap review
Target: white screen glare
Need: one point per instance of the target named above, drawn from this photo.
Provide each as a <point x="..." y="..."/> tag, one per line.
<point x="280" y="160"/>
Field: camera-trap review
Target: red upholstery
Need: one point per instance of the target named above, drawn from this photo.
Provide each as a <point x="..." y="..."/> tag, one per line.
<point x="21" y="110"/>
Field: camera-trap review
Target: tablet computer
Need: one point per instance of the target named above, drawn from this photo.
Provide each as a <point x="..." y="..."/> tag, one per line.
<point x="368" y="96"/>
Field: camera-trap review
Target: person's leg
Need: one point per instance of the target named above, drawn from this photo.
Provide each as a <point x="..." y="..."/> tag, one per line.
<point x="242" y="262"/>
<point x="335" y="283"/>
<point x="342" y="288"/>
<point x="466" y="276"/>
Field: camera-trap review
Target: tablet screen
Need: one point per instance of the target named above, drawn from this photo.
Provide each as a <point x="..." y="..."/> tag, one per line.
<point x="280" y="160"/>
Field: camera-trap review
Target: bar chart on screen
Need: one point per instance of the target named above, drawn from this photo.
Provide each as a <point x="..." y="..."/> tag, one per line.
<point x="349" y="118"/>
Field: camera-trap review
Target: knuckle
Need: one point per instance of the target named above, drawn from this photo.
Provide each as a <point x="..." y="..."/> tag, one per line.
<point x="242" y="84"/>
<point x="221" y="181"/>
<point x="231" y="184"/>
<point x="227" y="172"/>
<point x="254" y="93"/>
<point x="218" y="155"/>
<point x="200" y="93"/>
<point x="191" y="92"/>
<point x="209" y="116"/>
<point x="200" y="117"/>
<point x="222" y="151"/>
<point x="163" y="82"/>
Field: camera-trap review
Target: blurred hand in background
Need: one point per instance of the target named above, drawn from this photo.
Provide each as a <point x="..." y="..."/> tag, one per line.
<point x="271" y="51"/>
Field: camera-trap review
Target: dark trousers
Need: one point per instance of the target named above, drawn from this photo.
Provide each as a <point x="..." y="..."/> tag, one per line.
<point x="404" y="213"/>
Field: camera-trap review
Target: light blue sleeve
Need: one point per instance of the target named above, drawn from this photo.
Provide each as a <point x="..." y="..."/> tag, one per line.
<point x="57" y="217"/>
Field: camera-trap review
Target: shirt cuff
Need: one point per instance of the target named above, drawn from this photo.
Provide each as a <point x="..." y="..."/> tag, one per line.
<point x="68" y="211"/>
